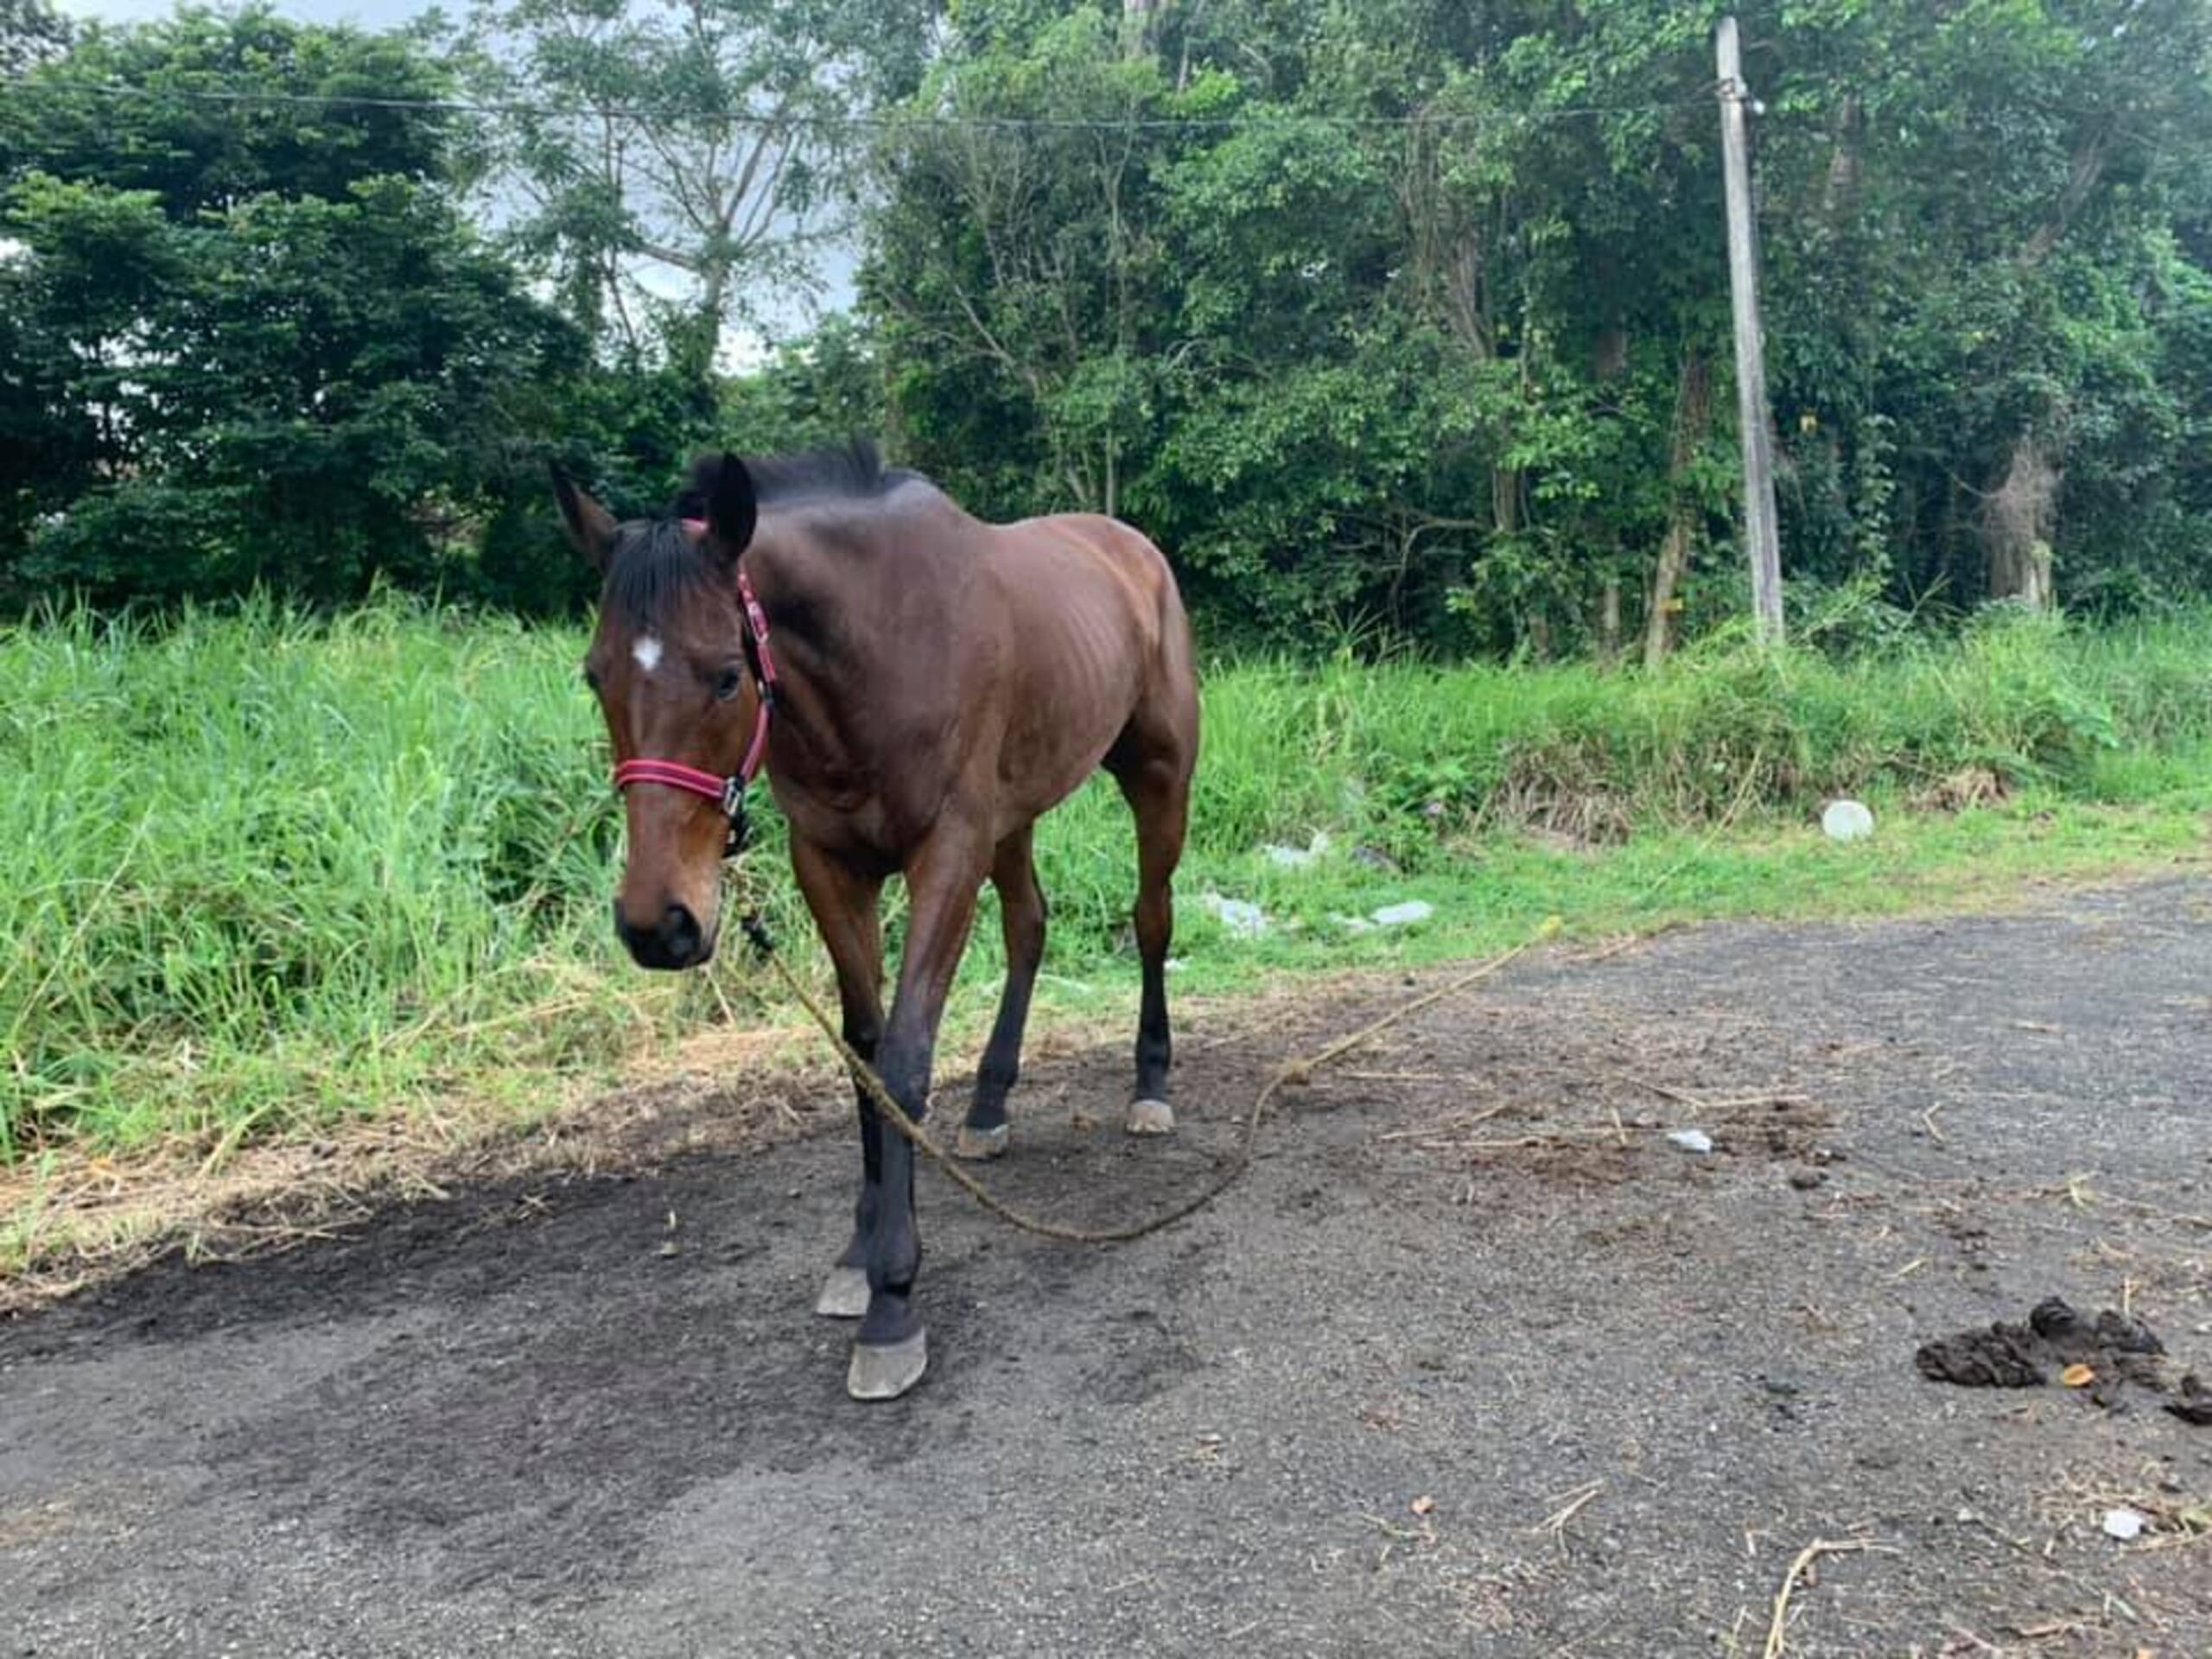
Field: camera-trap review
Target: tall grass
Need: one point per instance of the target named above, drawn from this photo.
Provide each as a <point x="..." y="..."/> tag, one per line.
<point x="265" y="870"/>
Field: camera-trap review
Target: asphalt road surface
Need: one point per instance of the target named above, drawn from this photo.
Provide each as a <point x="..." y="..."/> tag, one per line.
<point x="1477" y="1361"/>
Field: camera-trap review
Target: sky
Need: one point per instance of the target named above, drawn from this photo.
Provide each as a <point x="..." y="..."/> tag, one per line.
<point x="372" y="14"/>
<point x="740" y="349"/>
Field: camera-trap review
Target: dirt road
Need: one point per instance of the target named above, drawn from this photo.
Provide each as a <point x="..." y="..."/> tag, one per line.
<point x="1477" y="1361"/>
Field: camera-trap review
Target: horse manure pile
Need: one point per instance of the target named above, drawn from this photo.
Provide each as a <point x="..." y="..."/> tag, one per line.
<point x="2105" y="1357"/>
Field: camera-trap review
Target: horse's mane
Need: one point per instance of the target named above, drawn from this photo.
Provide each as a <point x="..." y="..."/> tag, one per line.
<point x="853" y="470"/>
<point x="658" y="566"/>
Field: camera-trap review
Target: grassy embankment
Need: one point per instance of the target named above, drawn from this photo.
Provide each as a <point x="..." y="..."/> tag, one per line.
<point x="266" y="873"/>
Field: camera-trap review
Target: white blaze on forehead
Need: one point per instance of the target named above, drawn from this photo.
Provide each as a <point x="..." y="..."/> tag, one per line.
<point x="647" y="651"/>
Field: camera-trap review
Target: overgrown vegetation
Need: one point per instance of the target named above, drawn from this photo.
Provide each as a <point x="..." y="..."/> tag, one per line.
<point x="1408" y="314"/>
<point x="1401" y="324"/>
<point x="271" y="870"/>
<point x="1415" y="310"/>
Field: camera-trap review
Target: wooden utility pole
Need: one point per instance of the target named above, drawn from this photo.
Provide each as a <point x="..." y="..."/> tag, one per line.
<point x="1761" y="538"/>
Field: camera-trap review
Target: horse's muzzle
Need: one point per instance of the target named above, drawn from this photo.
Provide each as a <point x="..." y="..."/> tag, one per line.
<point x="676" y="941"/>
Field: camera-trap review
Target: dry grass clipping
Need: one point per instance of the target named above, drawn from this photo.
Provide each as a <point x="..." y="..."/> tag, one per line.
<point x="1570" y="1505"/>
<point x="1969" y="787"/>
<point x="1778" y="1639"/>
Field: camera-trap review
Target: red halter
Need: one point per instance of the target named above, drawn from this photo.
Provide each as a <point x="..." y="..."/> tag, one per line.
<point x="727" y="792"/>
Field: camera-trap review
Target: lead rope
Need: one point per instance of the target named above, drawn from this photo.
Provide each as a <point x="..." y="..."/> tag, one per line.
<point x="1292" y="1072"/>
<point x="1297" y="1072"/>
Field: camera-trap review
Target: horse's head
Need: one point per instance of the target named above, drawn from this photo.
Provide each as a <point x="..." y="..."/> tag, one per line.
<point x="668" y="663"/>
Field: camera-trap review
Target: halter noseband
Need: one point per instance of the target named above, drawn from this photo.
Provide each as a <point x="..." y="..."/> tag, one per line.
<point x="728" y="793"/>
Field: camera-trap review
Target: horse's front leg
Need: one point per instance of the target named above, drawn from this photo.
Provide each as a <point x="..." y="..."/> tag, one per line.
<point x="845" y="905"/>
<point x="890" y="1353"/>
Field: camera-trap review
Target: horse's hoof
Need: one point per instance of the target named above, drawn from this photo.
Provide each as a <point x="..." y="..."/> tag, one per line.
<point x="1150" y="1117"/>
<point x="980" y="1146"/>
<point x="884" y="1372"/>
<point x="844" y="1294"/>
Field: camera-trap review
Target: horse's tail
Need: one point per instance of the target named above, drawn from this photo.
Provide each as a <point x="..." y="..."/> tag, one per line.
<point x="1177" y="652"/>
<point x="1176" y="664"/>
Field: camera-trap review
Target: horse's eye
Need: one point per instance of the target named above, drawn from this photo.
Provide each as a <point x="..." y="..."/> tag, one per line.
<point x="728" y="683"/>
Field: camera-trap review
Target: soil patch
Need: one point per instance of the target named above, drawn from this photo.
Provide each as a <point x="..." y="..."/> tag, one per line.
<point x="1477" y="1358"/>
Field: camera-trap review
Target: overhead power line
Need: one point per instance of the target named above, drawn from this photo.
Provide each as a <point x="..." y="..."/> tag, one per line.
<point x="39" y="84"/>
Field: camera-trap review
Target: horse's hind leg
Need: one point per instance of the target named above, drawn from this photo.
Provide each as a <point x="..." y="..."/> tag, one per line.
<point x="1156" y="779"/>
<point x="1022" y="908"/>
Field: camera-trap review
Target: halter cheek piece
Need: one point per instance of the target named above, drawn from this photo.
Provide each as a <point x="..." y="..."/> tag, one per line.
<point x="728" y="793"/>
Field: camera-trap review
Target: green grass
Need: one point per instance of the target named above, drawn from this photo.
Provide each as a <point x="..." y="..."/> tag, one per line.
<point x="266" y="873"/>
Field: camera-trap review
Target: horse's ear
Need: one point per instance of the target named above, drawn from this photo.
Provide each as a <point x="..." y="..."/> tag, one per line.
<point x="591" y="527"/>
<point x="733" y="509"/>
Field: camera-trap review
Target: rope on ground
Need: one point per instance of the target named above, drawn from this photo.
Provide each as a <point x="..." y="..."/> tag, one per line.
<point x="1293" y="1072"/>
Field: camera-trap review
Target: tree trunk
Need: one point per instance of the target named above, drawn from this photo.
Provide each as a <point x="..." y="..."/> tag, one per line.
<point x="1674" y="565"/>
<point x="2017" y="522"/>
<point x="1692" y="420"/>
<point x="1609" y="353"/>
<point x="1839" y="189"/>
<point x="1504" y="500"/>
<point x="1609" y="361"/>
<point x="2083" y="177"/>
<point x="1136" y="26"/>
<point x="693" y="341"/>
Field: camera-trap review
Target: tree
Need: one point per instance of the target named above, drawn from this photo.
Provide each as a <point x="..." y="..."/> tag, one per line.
<point x="1405" y="318"/>
<point x="1041" y="297"/>
<point x="280" y="357"/>
<point x="680" y="162"/>
<point x="1340" y="305"/>
<point x="31" y="31"/>
<point x="1416" y="310"/>
<point x="1967" y="218"/>
<point x="171" y="107"/>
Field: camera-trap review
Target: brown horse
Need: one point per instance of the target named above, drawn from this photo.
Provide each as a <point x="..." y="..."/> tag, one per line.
<point x="922" y="686"/>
